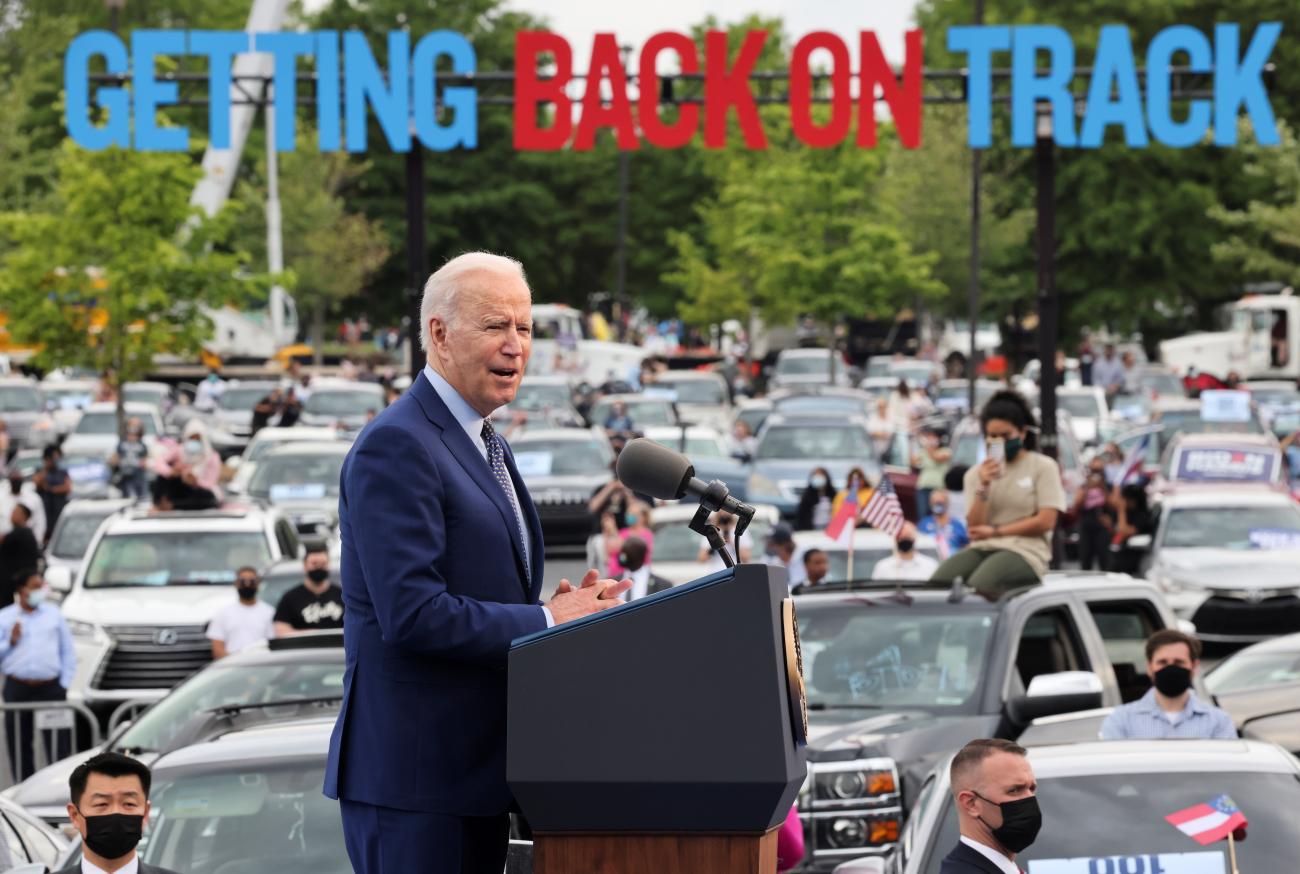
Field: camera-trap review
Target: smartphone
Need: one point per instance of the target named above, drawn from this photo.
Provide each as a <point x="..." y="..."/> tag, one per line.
<point x="998" y="451"/>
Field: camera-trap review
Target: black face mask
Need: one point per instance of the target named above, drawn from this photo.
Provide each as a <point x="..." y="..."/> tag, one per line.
<point x="1173" y="680"/>
<point x="16" y="486"/>
<point x="318" y="575"/>
<point x="906" y="544"/>
<point x="247" y="593"/>
<point x="1021" y="820"/>
<point x="113" y="835"/>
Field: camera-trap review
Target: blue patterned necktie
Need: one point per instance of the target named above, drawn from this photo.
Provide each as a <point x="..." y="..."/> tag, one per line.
<point x="497" y="463"/>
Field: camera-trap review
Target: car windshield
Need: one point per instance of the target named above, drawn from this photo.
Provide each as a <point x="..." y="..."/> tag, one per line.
<point x="830" y="404"/>
<point x="144" y="395"/>
<point x="644" y="414"/>
<point x="537" y="397"/>
<point x="917" y="375"/>
<point x="804" y="365"/>
<point x="165" y="558"/>
<point x="817" y="441"/>
<point x="695" y="391"/>
<point x="754" y="417"/>
<point x="1125" y="821"/>
<point x="70" y="397"/>
<point x="259" y="448"/>
<point x="303" y="477"/>
<point x="343" y="403"/>
<point x="696" y="447"/>
<point x="1246" y="670"/>
<point x="880" y="652"/>
<point x="1163" y="384"/>
<point x="246" y="817"/>
<point x="224" y="685"/>
<point x="101" y="423"/>
<point x="1079" y="406"/>
<point x="19" y="399"/>
<point x="675" y="542"/>
<point x="243" y="399"/>
<point x="1233" y="528"/>
<point x="1275" y="396"/>
<point x="72" y="537"/>
<point x="1190" y="422"/>
<point x="559" y="457"/>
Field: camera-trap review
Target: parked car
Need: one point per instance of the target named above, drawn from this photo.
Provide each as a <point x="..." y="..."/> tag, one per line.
<point x="563" y="468"/>
<point x="96" y="433"/>
<point x="869" y="547"/>
<point x="702" y="397"/>
<point x="547" y="400"/>
<point x="75" y="529"/>
<point x="302" y="481"/>
<point x="900" y="677"/>
<point x="1089" y="412"/>
<point x="753" y="412"/>
<point x="264" y="677"/>
<point x="645" y="411"/>
<point x="1229" y="560"/>
<point x="334" y="401"/>
<point x="1160" y="382"/>
<point x="156" y="394"/>
<point x="789" y="447"/>
<point x="822" y="400"/>
<point x="676" y="555"/>
<point x="231" y="424"/>
<point x="1271" y="662"/>
<point x="25" y="840"/>
<point x="22" y="406"/>
<point x="804" y="367"/>
<point x="1105" y="803"/>
<point x="709" y="454"/>
<point x="1204" y="459"/>
<point x="140" y="604"/>
<point x="953" y="395"/>
<point x="263" y="442"/>
<point x="65" y="399"/>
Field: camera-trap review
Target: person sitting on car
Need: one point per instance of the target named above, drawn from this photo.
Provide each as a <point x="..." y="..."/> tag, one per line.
<point x="1013" y="500"/>
<point x="1170" y="708"/>
<point x="188" y="472"/>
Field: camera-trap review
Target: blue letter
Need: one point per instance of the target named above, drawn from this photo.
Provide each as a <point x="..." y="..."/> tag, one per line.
<point x="285" y="47"/>
<point x="328" y="111"/>
<point x="220" y="46"/>
<point x="365" y="81"/>
<point x="76" y="86"/>
<point x="1027" y="89"/>
<point x="1235" y="85"/>
<point x="1114" y="61"/>
<point x="461" y="101"/>
<point x="1160" y="55"/>
<point x="150" y="93"/>
<point x="979" y="44"/>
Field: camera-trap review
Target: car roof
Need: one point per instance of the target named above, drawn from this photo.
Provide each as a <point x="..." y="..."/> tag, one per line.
<point x="130" y="407"/>
<point x="818" y="391"/>
<point x="689" y="376"/>
<point x="1243" y="441"/>
<point x="335" y="384"/>
<point x="305" y="738"/>
<point x="144" y="383"/>
<point x="805" y="352"/>
<point x="310" y="447"/>
<point x="1284" y="643"/>
<point x="1079" y="390"/>
<point x="661" y="433"/>
<point x="573" y="434"/>
<point x="19" y="380"/>
<point x="1160" y="756"/>
<point x="548" y="379"/>
<point x="1174" y="404"/>
<point x="88" y="506"/>
<point x="252" y="383"/>
<point x="812" y="418"/>
<point x="1220" y="495"/>
<point x="1271" y="384"/>
<point x="230" y="517"/>
<point x="259" y="653"/>
<point x="683" y="513"/>
<point x="632" y="398"/>
<point x="296" y="432"/>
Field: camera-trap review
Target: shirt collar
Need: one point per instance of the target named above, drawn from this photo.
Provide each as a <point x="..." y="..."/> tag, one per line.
<point x="465" y="415"/>
<point x="132" y="867"/>
<point x="1194" y="705"/>
<point x="1003" y="863"/>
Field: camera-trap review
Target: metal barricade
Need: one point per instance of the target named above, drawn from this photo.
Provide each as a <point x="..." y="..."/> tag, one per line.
<point x="126" y="712"/>
<point x="38" y="733"/>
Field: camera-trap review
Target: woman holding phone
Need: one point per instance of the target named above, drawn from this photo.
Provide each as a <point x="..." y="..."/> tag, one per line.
<point x="1012" y="501"/>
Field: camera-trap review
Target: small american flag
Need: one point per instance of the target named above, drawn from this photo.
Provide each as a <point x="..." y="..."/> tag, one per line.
<point x="883" y="512"/>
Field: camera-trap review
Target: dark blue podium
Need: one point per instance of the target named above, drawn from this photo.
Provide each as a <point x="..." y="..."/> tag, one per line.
<point x="664" y="735"/>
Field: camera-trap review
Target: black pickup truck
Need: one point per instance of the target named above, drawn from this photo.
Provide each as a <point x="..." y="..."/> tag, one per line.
<point x="900" y="675"/>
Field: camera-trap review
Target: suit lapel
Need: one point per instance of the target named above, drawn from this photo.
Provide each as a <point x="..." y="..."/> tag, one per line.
<point x="465" y="452"/>
<point x="976" y="858"/>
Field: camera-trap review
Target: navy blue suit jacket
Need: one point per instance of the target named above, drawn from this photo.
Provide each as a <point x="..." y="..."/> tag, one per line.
<point x="964" y="860"/>
<point x="434" y="590"/>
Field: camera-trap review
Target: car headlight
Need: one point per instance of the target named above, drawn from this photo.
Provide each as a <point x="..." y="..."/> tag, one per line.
<point x="87" y="632"/>
<point x="860" y="782"/>
<point x="857" y="831"/>
<point x="761" y="485"/>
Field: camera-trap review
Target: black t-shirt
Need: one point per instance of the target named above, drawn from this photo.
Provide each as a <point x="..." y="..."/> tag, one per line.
<point x="18" y="552"/>
<point x="304" y="610"/>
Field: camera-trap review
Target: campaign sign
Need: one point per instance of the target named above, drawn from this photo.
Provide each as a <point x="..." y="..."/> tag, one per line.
<point x="534" y="463"/>
<point x="1152" y="863"/>
<point x="297" y="491"/>
<point x="1218" y="405"/>
<point x="1274" y="538"/>
<point x="1236" y="465"/>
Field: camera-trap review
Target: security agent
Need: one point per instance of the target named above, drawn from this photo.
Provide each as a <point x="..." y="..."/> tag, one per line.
<point x="110" y="808"/>
<point x="1170" y="707"/>
<point x="997" y="807"/>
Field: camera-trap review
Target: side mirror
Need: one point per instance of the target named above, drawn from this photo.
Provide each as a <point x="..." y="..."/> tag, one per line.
<point x="1140" y="542"/>
<point x="59" y="579"/>
<point x="867" y="865"/>
<point x="1055" y="694"/>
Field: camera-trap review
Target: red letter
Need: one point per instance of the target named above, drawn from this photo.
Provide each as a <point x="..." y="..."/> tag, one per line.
<point x="724" y="89"/>
<point x="666" y="136"/>
<point x="605" y="62"/>
<point x="801" y="84"/>
<point x="904" y="103"/>
<point x="530" y="91"/>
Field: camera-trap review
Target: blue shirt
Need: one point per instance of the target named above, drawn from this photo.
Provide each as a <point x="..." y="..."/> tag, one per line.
<point x="44" y="649"/>
<point x="954" y="532"/>
<point x="1143" y="718"/>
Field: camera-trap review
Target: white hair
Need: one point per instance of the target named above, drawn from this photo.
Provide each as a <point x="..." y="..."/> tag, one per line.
<point x="442" y="291"/>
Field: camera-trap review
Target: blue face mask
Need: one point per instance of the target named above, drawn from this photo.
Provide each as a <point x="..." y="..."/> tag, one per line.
<point x="630" y="520"/>
<point x="36" y="598"/>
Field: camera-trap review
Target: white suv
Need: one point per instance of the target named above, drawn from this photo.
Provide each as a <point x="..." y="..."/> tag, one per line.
<point x="139" y="606"/>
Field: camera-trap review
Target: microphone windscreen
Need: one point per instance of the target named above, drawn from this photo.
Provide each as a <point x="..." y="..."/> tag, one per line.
<point x="646" y="467"/>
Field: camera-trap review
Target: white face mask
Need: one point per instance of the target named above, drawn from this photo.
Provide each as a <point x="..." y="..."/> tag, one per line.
<point x="193" y="447"/>
<point x="36" y="598"/>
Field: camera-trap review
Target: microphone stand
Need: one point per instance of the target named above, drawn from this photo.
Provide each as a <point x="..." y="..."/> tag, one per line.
<point x="700" y="525"/>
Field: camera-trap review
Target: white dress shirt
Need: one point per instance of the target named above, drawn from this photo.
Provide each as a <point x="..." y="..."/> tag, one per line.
<point x="894" y="567"/>
<point x="640" y="583"/>
<point x="132" y="867"/>
<point x="469" y="419"/>
<point x="1003" y="863"/>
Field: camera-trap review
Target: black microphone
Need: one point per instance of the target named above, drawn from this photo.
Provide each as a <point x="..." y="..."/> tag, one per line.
<point x="646" y="467"/>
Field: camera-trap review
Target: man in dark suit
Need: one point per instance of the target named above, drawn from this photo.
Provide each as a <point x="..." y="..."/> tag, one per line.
<point x="110" y="807"/>
<point x="997" y="808"/>
<point x="441" y="570"/>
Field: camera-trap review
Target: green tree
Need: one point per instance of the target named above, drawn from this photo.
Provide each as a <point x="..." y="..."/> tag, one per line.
<point x="331" y="251"/>
<point x="120" y="268"/>
<point x="1262" y="240"/>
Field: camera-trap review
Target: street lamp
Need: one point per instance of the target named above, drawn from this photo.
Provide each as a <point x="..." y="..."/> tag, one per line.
<point x="114" y="8"/>
<point x="1045" y="162"/>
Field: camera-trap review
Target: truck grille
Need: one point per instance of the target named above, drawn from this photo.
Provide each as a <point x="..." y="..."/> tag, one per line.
<point x="152" y="656"/>
<point x="1234" y="617"/>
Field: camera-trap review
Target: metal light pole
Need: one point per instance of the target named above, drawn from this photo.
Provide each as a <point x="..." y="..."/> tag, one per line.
<point x="1045" y="163"/>
<point x="114" y="10"/>
<point x="973" y="290"/>
<point x="620" y="278"/>
<point x="417" y="255"/>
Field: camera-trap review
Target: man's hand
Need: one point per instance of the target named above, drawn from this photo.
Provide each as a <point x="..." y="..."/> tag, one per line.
<point x="15" y="634"/>
<point x="592" y="596"/>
